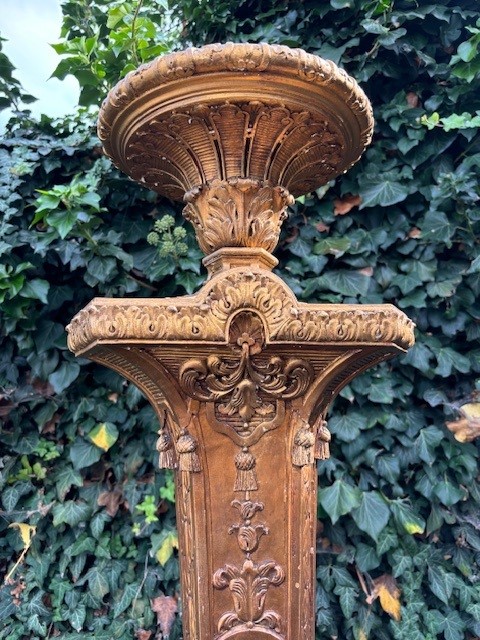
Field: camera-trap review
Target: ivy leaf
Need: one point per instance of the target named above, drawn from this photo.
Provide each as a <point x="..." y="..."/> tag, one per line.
<point x="384" y="190"/>
<point x="339" y="499"/>
<point x="37" y="289"/>
<point x="77" y="617"/>
<point x="406" y="518"/>
<point x="427" y="441"/>
<point x="65" y="479"/>
<point x="449" y="359"/>
<point x="127" y="595"/>
<point x="189" y="281"/>
<point x="348" y="600"/>
<point x="35" y="604"/>
<point x="7" y="606"/>
<point x="63" y="377"/>
<point x="97" y="583"/>
<point x="34" y="624"/>
<point x="366" y="557"/>
<point x="448" y="493"/>
<point x="84" y="544"/>
<point x="104" y="435"/>
<point x="62" y="221"/>
<point x="372" y="515"/>
<point x="440" y="583"/>
<point x="454" y="627"/>
<point x="348" y="283"/>
<point x="437" y="228"/>
<point x="166" y="548"/>
<point x="10" y="497"/>
<point x="71" y="512"/>
<point x="97" y="524"/>
<point x="83" y="454"/>
<point x="335" y="246"/>
<point x="347" y="427"/>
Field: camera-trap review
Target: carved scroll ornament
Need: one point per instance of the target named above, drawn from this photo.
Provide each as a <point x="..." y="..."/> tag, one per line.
<point x="250" y="582"/>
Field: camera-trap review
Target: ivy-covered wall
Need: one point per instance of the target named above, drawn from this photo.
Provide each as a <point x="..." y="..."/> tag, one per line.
<point x="87" y="527"/>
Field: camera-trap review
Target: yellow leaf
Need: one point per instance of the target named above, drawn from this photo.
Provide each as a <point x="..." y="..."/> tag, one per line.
<point x="389" y="594"/>
<point x="166" y="549"/>
<point x="471" y="410"/>
<point x="27" y="531"/>
<point x="362" y="635"/>
<point x="104" y="435"/>
<point x="413" y="527"/>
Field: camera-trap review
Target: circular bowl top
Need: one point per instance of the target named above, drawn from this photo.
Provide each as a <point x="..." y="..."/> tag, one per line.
<point x="258" y="111"/>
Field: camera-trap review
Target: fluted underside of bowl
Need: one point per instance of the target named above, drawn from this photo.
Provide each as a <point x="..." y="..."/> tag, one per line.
<point x="220" y="112"/>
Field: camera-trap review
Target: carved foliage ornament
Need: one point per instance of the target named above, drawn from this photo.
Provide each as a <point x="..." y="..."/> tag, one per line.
<point x="244" y="386"/>
<point x="250" y="582"/>
<point x="184" y="151"/>
<point x="239" y="213"/>
<point x="206" y="314"/>
<point x="171" y="149"/>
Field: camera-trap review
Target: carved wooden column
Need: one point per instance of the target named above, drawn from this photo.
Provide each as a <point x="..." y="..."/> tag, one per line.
<point x="242" y="372"/>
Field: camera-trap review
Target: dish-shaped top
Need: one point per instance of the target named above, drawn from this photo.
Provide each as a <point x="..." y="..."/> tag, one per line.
<point x="220" y="112"/>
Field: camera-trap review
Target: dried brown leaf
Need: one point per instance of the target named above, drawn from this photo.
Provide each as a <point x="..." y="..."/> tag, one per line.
<point x="346" y="204"/>
<point x="412" y="99"/>
<point x="111" y="500"/>
<point x="43" y="388"/>
<point x="366" y="271"/>
<point x="165" y="607"/>
<point x="464" y="430"/>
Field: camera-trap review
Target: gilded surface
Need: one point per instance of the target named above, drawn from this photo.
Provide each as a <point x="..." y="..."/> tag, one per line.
<point x="205" y="315"/>
<point x="219" y="124"/>
<point x="240" y="374"/>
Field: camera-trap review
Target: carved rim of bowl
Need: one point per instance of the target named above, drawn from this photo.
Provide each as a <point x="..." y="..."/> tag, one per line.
<point x="235" y="74"/>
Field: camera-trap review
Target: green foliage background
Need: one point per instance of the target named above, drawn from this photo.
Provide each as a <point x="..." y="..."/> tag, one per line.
<point x="400" y="496"/>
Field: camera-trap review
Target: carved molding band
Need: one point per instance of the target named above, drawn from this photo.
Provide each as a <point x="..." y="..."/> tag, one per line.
<point x="206" y="314"/>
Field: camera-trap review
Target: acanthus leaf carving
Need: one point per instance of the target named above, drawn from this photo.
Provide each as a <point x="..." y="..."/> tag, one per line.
<point x="249" y="585"/>
<point x="238" y="212"/>
<point x="250" y="582"/>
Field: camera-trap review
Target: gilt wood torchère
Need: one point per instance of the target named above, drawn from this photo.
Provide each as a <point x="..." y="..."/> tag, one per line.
<point x="241" y="373"/>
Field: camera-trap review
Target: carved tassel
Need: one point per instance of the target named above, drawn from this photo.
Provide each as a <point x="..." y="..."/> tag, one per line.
<point x="303" y="442"/>
<point x="246" y="479"/>
<point x="322" y="442"/>
<point x="187" y="450"/>
<point x="166" y="452"/>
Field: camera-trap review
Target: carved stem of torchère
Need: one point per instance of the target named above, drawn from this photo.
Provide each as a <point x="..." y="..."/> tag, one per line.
<point x="238" y="212"/>
<point x="240" y="374"/>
